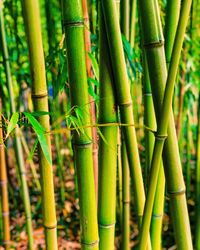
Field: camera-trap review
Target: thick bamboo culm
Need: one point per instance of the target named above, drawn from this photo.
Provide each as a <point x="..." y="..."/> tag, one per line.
<point x="73" y="24"/>
<point x="40" y="100"/>
<point x="197" y="229"/>
<point x="108" y="149"/>
<point x="92" y="102"/>
<point x="18" y="145"/>
<point x="4" y="188"/>
<point x="183" y="242"/>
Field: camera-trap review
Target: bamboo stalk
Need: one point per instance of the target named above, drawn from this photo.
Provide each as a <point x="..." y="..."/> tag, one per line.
<point x="125" y="17"/>
<point x="92" y="103"/>
<point x="171" y="20"/>
<point x="4" y="188"/>
<point x="82" y="144"/>
<point x="124" y="100"/>
<point x="125" y="244"/>
<point x="18" y="146"/>
<point x="197" y="208"/>
<point x="133" y="22"/>
<point x="186" y="242"/>
<point x="40" y="100"/>
<point x="150" y="121"/>
<point x="108" y="149"/>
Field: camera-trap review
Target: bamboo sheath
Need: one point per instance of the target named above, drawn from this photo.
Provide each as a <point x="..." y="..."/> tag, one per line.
<point x="197" y="229"/>
<point x="184" y="242"/>
<point x="40" y="99"/>
<point x="4" y="188"/>
<point x="18" y="146"/>
<point x="92" y="102"/>
<point x="82" y="143"/>
<point x="107" y="147"/>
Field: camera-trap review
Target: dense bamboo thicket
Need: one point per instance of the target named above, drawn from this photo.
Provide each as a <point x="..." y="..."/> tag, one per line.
<point x="100" y="124"/>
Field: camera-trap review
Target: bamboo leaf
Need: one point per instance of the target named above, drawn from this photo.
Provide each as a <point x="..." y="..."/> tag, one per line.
<point x="30" y="157"/>
<point x="39" y="130"/>
<point x="13" y="122"/>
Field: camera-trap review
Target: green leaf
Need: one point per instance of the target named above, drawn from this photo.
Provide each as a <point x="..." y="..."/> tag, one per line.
<point x="30" y="157"/>
<point x="13" y="122"/>
<point x="39" y="130"/>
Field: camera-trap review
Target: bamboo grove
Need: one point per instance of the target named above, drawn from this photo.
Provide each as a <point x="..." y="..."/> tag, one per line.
<point x="100" y="124"/>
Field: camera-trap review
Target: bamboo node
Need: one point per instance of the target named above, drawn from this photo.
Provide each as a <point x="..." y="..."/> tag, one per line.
<point x="107" y="226"/>
<point x="147" y="94"/>
<point x="82" y="145"/>
<point x="172" y="194"/>
<point x="154" y="44"/>
<point x="160" y="137"/>
<point x="50" y="226"/>
<point x="157" y="216"/>
<point x="125" y="104"/>
<point x="78" y="23"/>
<point x="96" y="242"/>
<point x="39" y="95"/>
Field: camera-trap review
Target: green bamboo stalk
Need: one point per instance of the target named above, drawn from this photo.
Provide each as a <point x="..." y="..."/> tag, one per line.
<point x="197" y="208"/>
<point x="171" y="20"/>
<point x="32" y="166"/>
<point x="4" y="189"/>
<point x="119" y="171"/>
<point x="125" y="244"/>
<point x="18" y="146"/>
<point x="74" y="30"/>
<point x="125" y="18"/>
<point x="186" y="242"/>
<point x="133" y="22"/>
<point x="108" y="149"/>
<point x="124" y="100"/>
<point x="188" y="156"/>
<point x="150" y="121"/>
<point x="40" y="99"/>
<point x="92" y="102"/>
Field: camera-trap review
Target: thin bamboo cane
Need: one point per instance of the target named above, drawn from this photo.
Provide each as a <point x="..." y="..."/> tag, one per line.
<point x="188" y="156"/>
<point x="125" y="18"/>
<point x="40" y="99"/>
<point x="92" y="103"/>
<point x="150" y="121"/>
<point x="32" y="166"/>
<point x="133" y="22"/>
<point x="108" y="149"/>
<point x="125" y="244"/>
<point x="124" y="100"/>
<point x="18" y="146"/>
<point x="197" y="209"/>
<point x="186" y="242"/>
<point x="4" y="189"/>
<point x="74" y="30"/>
<point x="171" y="20"/>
